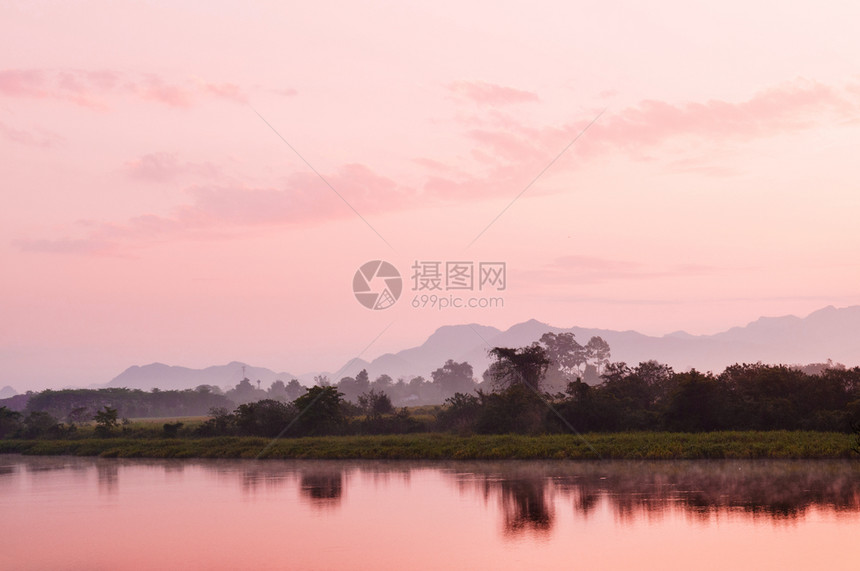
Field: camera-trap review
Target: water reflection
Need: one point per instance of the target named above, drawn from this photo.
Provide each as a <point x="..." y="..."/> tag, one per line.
<point x="108" y="472"/>
<point x="323" y="489"/>
<point x="394" y="515"/>
<point x="527" y="493"/>
<point x="525" y="506"/>
<point x="776" y="490"/>
<point x="259" y="477"/>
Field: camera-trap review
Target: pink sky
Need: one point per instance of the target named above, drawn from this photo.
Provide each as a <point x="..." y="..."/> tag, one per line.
<point x="151" y="215"/>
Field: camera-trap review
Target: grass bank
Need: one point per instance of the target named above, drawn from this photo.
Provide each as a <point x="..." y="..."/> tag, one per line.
<point x="629" y="445"/>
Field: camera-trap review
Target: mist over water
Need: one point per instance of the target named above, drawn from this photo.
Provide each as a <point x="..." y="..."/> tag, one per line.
<point x="123" y="514"/>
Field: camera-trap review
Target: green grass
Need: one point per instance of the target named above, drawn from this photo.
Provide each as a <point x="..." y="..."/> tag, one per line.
<point x="630" y="445"/>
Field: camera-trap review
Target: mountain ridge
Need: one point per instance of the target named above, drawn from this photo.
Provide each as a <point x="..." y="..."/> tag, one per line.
<point x="827" y="333"/>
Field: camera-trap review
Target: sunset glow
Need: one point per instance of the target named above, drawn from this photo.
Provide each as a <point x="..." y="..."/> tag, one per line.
<point x="199" y="184"/>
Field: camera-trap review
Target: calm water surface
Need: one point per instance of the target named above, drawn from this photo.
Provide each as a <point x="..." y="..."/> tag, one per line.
<point x="75" y="513"/>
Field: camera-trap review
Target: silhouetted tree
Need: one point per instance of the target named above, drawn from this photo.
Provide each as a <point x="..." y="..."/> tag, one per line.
<point x="39" y="424"/>
<point x="567" y="357"/>
<point x="375" y="403"/>
<point x="267" y="417"/>
<point x="597" y="350"/>
<point x="524" y="366"/>
<point x="698" y="404"/>
<point x="383" y="382"/>
<point x="10" y="422"/>
<point x="171" y="429"/>
<point x="320" y="411"/>
<point x="106" y="421"/>
<point x="294" y="389"/>
<point x="278" y="391"/>
<point x="460" y="413"/>
<point x="454" y="378"/>
<point x="79" y="415"/>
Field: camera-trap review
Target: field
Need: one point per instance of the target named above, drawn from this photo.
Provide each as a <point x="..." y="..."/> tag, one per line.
<point x="628" y="445"/>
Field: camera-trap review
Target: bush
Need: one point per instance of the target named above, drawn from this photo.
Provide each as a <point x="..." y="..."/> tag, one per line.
<point x="400" y="422"/>
<point x="459" y="414"/>
<point x="106" y="421"/>
<point x="221" y="423"/>
<point x="10" y="422"/>
<point x="171" y="429"/>
<point x="375" y="403"/>
<point x="42" y="425"/>
<point x="320" y="411"/>
<point x="267" y="417"/>
<point x="515" y="409"/>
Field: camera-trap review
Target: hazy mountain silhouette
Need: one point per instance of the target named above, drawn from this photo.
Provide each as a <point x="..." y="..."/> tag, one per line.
<point x="158" y="375"/>
<point x="828" y="333"/>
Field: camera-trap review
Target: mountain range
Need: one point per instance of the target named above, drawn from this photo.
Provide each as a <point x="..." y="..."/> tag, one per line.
<point x="829" y="333"/>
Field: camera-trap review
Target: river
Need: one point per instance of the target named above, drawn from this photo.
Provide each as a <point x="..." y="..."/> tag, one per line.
<point x="83" y="513"/>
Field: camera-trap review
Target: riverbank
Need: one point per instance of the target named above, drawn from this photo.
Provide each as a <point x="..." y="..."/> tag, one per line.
<point x="628" y="446"/>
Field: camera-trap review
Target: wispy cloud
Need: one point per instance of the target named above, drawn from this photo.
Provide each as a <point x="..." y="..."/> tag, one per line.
<point x="229" y="91"/>
<point x="94" y="89"/>
<point x="484" y="93"/>
<point x="164" y="167"/>
<point x="286" y="92"/>
<point x="510" y="151"/>
<point x="790" y="107"/>
<point x="34" y="138"/>
<point x="793" y="106"/>
<point x="88" y="246"/>
<point x="503" y="159"/>
<point x="220" y="211"/>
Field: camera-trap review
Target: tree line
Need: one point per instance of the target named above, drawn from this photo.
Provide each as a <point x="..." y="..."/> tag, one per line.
<point x="554" y="385"/>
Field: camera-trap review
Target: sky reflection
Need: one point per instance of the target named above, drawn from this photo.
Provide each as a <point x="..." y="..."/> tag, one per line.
<point x="390" y="515"/>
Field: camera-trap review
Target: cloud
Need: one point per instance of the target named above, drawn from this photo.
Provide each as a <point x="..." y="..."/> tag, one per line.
<point x="506" y="155"/>
<point x="22" y="83"/>
<point x="287" y="92"/>
<point x="229" y="91"/>
<point x="153" y="88"/>
<point x="40" y="84"/>
<point x="36" y="138"/>
<point x="789" y="107"/>
<point x="90" y="246"/>
<point x="491" y="94"/>
<point x="511" y="153"/>
<point x="95" y="88"/>
<point x="220" y="211"/>
<point x="165" y="167"/>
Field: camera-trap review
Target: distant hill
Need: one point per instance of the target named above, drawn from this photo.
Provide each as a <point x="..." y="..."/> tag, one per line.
<point x="158" y="375"/>
<point x="7" y="392"/>
<point x="829" y="333"/>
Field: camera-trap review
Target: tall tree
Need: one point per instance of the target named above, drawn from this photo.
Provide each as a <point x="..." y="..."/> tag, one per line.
<point x="597" y="350"/>
<point x="567" y="357"/>
<point x="454" y="378"/>
<point x="525" y="366"/>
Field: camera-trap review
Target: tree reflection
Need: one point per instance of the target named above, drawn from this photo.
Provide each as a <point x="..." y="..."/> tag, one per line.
<point x="108" y="472"/>
<point x="323" y="489"/>
<point x="525" y="506"/>
<point x="253" y="479"/>
<point x="774" y="490"/>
